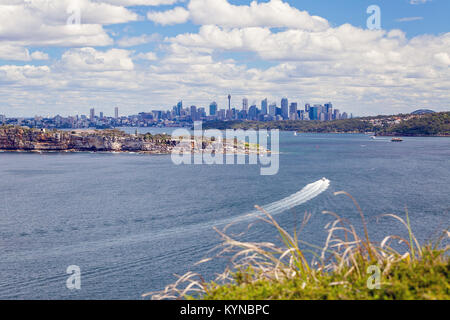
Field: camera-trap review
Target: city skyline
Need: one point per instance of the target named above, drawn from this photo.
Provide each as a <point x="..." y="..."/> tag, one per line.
<point x="181" y="115"/>
<point x="66" y="56"/>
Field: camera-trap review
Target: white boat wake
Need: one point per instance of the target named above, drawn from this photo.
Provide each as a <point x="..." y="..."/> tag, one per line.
<point x="309" y="192"/>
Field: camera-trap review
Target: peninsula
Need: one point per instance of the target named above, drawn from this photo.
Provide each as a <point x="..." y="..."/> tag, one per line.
<point x="23" y="139"/>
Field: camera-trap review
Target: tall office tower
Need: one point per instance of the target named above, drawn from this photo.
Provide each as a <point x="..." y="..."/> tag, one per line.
<point x="329" y="111"/>
<point x="245" y="104"/>
<point x="92" y="114"/>
<point x="293" y="109"/>
<point x="179" y="108"/>
<point x="193" y="113"/>
<point x="273" y="109"/>
<point x="213" y="109"/>
<point x="336" y="114"/>
<point x="101" y="115"/>
<point x="344" y="116"/>
<point x="285" y="108"/>
<point x="2" y="118"/>
<point x="314" y="112"/>
<point x="116" y="112"/>
<point x="264" y="107"/>
<point x="229" y="102"/>
<point x="253" y="113"/>
<point x="307" y="107"/>
<point x="202" y="112"/>
<point x="221" y="114"/>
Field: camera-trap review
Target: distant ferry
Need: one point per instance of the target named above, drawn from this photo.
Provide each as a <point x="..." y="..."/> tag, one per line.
<point x="397" y="140"/>
<point x="295" y="133"/>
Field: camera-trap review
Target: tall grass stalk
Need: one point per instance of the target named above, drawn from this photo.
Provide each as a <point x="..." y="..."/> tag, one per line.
<point x="341" y="263"/>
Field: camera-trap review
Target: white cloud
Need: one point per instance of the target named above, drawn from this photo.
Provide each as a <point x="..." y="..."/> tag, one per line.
<point x="39" y="55"/>
<point x="169" y="17"/>
<point x="150" y="56"/>
<point x="44" y="22"/>
<point x="11" y="52"/>
<point x="361" y="71"/>
<point x="274" y="13"/>
<point x="128" y="3"/>
<point x="89" y="59"/>
<point x="135" y="41"/>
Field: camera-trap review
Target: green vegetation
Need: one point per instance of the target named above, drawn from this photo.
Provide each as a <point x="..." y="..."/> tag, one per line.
<point x="430" y="124"/>
<point x="435" y="124"/>
<point x="348" y="266"/>
<point x="349" y="125"/>
<point x="424" y="279"/>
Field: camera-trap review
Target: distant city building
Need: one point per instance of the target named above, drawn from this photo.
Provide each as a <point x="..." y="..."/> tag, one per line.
<point x="314" y="112"/>
<point x="92" y="114"/>
<point x="245" y="104"/>
<point x="329" y="111"/>
<point x="253" y="113"/>
<point x="336" y="114"/>
<point x="213" y="109"/>
<point x="179" y="108"/>
<point x="293" y="109"/>
<point x="264" y="106"/>
<point x="285" y="108"/>
<point x="101" y="115"/>
<point x="193" y="112"/>
<point x="229" y="102"/>
<point x="273" y="110"/>
<point x="116" y="113"/>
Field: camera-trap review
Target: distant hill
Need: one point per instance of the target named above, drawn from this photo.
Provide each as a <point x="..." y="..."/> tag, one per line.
<point x="423" y="111"/>
<point x="435" y="124"/>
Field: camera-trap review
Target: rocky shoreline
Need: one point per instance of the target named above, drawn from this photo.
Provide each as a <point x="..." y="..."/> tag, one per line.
<point x="22" y="139"/>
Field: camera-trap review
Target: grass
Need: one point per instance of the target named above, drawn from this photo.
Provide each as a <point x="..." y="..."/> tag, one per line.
<point x="348" y="266"/>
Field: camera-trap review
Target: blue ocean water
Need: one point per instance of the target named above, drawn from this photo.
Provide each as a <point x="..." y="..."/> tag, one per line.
<point x="131" y="221"/>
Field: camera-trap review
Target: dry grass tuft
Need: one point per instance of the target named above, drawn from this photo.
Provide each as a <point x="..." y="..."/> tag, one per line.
<point x="341" y="263"/>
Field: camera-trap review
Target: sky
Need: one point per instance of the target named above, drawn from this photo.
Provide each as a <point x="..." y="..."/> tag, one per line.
<point x="67" y="56"/>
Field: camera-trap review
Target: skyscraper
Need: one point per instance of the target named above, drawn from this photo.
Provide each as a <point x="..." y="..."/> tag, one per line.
<point x="285" y="108"/>
<point x="264" y="107"/>
<point x="193" y="113"/>
<point x="273" y="109"/>
<point x="314" y="112"/>
<point x="336" y="114"/>
<point x="92" y="114"/>
<point x="116" y="112"/>
<point x="179" y="108"/>
<point x="245" y="104"/>
<point x="253" y="113"/>
<point x="229" y="102"/>
<point x="213" y="109"/>
<point x="329" y="111"/>
<point x="292" y="109"/>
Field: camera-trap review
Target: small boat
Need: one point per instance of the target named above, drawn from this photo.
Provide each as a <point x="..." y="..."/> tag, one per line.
<point x="295" y="133"/>
<point x="373" y="137"/>
<point x="397" y="140"/>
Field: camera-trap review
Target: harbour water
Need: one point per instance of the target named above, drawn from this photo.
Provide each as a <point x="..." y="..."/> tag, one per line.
<point x="131" y="221"/>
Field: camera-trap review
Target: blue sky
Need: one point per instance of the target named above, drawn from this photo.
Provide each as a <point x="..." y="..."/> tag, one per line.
<point x="143" y="57"/>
